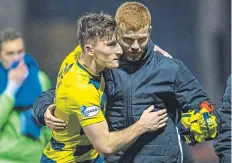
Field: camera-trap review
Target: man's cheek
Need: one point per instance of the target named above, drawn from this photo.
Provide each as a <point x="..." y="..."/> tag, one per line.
<point x="144" y="46"/>
<point x="124" y="46"/>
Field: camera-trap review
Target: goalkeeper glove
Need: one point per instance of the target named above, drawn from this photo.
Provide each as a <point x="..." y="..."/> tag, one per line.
<point x="196" y="127"/>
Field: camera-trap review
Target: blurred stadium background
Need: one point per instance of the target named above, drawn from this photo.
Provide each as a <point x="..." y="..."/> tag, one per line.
<point x="198" y="32"/>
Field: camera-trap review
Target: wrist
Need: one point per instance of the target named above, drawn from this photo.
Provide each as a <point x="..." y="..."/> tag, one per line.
<point x="12" y="88"/>
<point x="139" y="125"/>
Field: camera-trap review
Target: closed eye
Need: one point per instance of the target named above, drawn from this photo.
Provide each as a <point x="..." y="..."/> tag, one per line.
<point x="112" y="43"/>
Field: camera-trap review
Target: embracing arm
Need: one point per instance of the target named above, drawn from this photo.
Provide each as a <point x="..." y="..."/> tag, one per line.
<point x="96" y="128"/>
<point x="107" y="143"/>
<point x="188" y="90"/>
<point x="199" y="118"/>
<point x="41" y="105"/>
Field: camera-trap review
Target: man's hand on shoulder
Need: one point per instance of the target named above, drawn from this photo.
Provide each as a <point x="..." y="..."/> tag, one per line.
<point x="161" y="51"/>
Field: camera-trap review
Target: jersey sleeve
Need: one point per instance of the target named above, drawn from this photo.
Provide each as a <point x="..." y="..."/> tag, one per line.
<point x="85" y="103"/>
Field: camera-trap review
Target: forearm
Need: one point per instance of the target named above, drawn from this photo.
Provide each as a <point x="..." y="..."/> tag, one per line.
<point x="6" y="106"/>
<point x="41" y="105"/>
<point x="107" y="143"/>
<point x="119" y="140"/>
<point x="188" y="91"/>
<point x="39" y="114"/>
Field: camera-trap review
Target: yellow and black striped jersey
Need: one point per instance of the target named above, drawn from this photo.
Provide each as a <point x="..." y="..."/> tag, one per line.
<point x="80" y="101"/>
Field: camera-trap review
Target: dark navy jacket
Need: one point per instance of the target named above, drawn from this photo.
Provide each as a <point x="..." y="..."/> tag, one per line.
<point x="155" y="80"/>
<point x="222" y="143"/>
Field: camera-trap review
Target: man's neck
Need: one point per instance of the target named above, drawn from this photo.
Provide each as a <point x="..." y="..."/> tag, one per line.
<point x="90" y="64"/>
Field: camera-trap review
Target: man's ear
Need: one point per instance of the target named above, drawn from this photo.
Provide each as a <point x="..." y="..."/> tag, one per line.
<point x="89" y="50"/>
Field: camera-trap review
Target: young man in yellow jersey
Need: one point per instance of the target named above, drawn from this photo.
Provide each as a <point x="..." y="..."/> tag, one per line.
<point x="80" y="99"/>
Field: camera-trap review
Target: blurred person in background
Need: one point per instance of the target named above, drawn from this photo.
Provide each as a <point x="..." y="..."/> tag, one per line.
<point x="222" y="144"/>
<point x="22" y="139"/>
<point x="143" y="78"/>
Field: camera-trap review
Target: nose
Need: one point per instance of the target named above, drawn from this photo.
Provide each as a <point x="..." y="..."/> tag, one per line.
<point x="135" y="46"/>
<point x="119" y="50"/>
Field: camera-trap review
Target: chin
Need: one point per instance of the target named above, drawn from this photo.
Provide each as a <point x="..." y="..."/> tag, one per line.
<point x="114" y="65"/>
<point x="133" y="59"/>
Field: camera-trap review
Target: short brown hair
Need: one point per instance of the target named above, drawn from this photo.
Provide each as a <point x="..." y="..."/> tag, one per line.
<point x="93" y="26"/>
<point x="134" y="15"/>
<point x="9" y="34"/>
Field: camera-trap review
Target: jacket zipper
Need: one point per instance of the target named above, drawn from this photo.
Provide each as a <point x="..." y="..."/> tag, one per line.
<point x="129" y="107"/>
<point x="178" y="137"/>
